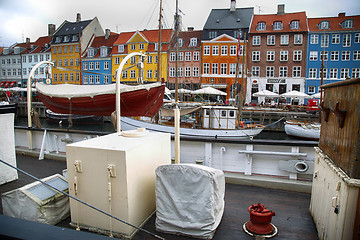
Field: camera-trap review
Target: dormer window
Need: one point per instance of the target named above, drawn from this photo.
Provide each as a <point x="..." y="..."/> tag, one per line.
<point x="121" y="48"/>
<point x="103" y="52"/>
<point x="193" y="42"/>
<point x="180" y="42"/>
<point x="156" y="46"/>
<point x="294" y="24"/>
<point x="261" y="26"/>
<point x="58" y="39"/>
<point x="324" y="25"/>
<point x="75" y="38"/>
<point x="66" y="39"/>
<point x="348" y="24"/>
<point x="212" y="34"/>
<point x="90" y="52"/>
<point x="277" y="25"/>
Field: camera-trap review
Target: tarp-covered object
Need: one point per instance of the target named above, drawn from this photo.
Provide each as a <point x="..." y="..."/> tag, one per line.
<point x="37" y="202"/>
<point x="189" y="199"/>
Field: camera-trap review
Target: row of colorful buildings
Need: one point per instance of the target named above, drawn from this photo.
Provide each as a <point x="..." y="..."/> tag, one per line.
<point x="236" y="50"/>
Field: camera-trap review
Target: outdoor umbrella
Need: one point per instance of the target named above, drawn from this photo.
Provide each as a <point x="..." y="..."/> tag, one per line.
<point x="182" y="90"/>
<point x="265" y="93"/>
<point x="295" y="94"/>
<point x="316" y="95"/>
<point x="209" y="90"/>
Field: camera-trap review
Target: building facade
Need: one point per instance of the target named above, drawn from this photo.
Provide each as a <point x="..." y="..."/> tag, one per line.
<point x="68" y="44"/>
<point x="147" y="42"/>
<point x="334" y="46"/>
<point x="188" y="60"/>
<point x="96" y="63"/>
<point x="223" y="38"/>
<point x="277" y="53"/>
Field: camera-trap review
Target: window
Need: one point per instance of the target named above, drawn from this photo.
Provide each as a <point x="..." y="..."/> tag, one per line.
<point x="55" y="77"/>
<point x="215" y="50"/>
<point x="196" y="56"/>
<point x="195" y="71"/>
<point x="188" y="56"/>
<point x="345" y="55"/>
<point x="232" y="68"/>
<point x="344" y="73"/>
<point x="312" y="72"/>
<point x="97" y="65"/>
<point x="207" y="50"/>
<point x="71" y="49"/>
<point x="256" y="56"/>
<point x="132" y="74"/>
<point x="233" y="50"/>
<point x="325" y="40"/>
<point x="193" y="42"/>
<point x="150" y="58"/>
<point x="86" y="79"/>
<point x="284" y="55"/>
<point x="121" y="48"/>
<point x="333" y="73"/>
<point x="71" y="62"/>
<point x="271" y="40"/>
<point x="215" y="68"/>
<point x="314" y="39"/>
<point x="133" y="47"/>
<point x="103" y="52"/>
<point x="97" y="79"/>
<point x="35" y="59"/>
<point x="125" y="74"/>
<point x="66" y="77"/>
<point x="172" y="57"/>
<point x="298" y="39"/>
<point x="117" y="60"/>
<point x="357" y="38"/>
<point x="294" y="24"/>
<point x="284" y="39"/>
<point x="156" y="46"/>
<point x="311" y="89"/>
<point x="65" y="62"/>
<point x="224" y="50"/>
<point x="91" y="81"/>
<point x="41" y="58"/>
<point x="91" y="65"/>
<point x="141" y="46"/>
<point x="60" y="62"/>
<point x="75" y="38"/>
<point x="180" y="42"/>
<point x="335" y="39"/>
<point x="277" y="26"/>
<point x="324" y="25"/>
<point x="180" y="72"/>
<point x="255" y="71"/>
<point x="187" y="71"/>
<point x="106" y="65"/>
<point x="65" y="49"/>
<point x="323" y="72"/>
<point x="296" y="71"/>
<point x="297" y="56"/>
<point x="29" y="58"/>
<point x="355" y="73"/>
<point x="261" y="26"/>
<point x="356" y="56"/>
<point x="270" y="56"/>
<point x="223" y="68"/>
<point x="106" y="79"/>
<point x="180" y="56"/>
<point x="77" y="48"/>
<point x="23" y="60"/>
<point x="156" y="59"/>
<point x="206" y="68"/>
<point x="60" y="49"/>
<point x="212" y="34"/>
<point x="348" y="23"/>
<point x="172" y="72"/>
<point x="132" y="60"/>
<point x="313" y="55"/>
<point x="149" y="74"/>
<point x="283" y="71"/>
<point x="325" y="55"/>
<point x="270" y="72"/>
<point x="256" y="40"/>
<point x="334" y="55"/>
<point x="54" y="50"/>
<point x="347" y="40"/>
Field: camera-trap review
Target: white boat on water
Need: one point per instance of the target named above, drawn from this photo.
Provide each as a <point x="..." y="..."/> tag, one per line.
<point x="214" y="122"/>
<point x="302" y="129"/>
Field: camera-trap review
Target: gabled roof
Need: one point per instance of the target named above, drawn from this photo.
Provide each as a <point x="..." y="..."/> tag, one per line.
<point x="286" y="19"/>
<point x="186" y="36"/>
<point x="335" y="23"/>
<point x="41" y="44"/>
<point x="71" y="28"/>
<point x="224" y="38"/>
<point x="150" y="36"/>
<point x="225" y="19"/>
<point x="101" y="41"/>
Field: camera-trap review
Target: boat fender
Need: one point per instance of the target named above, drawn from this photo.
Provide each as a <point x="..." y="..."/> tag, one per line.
<point x="241" y="124"/>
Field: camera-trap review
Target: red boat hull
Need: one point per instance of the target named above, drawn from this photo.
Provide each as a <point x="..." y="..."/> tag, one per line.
<point x="141" y="102"/>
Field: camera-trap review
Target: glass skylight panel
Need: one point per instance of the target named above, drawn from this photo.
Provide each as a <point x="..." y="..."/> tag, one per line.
<point x="44" y="192"/>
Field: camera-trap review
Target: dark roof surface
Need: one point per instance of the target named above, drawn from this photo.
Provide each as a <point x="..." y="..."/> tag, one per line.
<point x="225" y="19"/>
<point x="71" y="28"/>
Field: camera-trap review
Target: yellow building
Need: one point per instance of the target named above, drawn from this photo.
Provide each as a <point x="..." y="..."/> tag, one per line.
<point x="68" y="44"/>
<point x="146" y="42"/>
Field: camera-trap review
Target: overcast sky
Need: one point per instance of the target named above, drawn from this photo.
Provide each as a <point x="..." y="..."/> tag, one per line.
<point x="20" y="19"/>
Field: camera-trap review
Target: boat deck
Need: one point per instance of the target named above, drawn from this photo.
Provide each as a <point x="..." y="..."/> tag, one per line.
<point x="292" y="219"/>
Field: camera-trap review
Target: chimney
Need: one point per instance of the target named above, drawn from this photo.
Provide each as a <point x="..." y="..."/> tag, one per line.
<point x="281" y="9"/>
<point x="341" y="14"/>
<point x="107" y="33"/>
<point x="190" y="29"/>
<point x="232" y="5"/>
<point x="27" y="40"/>
<point x="78" y="17"/>
<point x="51" y="29"/>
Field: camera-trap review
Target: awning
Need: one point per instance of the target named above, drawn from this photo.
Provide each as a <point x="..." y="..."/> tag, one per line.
<point x="12" y="84"/>
<point x="2" y="83"/>
<point x="6" y="84"/>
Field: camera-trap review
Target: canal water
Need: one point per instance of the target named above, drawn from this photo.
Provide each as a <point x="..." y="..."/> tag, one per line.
<point x="107" y="127"/>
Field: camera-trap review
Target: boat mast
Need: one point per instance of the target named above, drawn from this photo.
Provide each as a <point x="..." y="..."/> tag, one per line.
<point x="158" y="77"/>
<point x="177" y="110"/>
<point x="176" y="50"/>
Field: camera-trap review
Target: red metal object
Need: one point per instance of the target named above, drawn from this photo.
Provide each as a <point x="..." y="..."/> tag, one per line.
<point x="260" y="220"/>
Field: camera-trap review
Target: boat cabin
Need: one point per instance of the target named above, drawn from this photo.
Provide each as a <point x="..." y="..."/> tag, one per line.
<point x="219" y="117"/>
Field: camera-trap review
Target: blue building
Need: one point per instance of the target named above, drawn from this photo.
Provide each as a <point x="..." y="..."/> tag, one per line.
<point x="336" y="41"/>
<point x="96" y="63"/>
